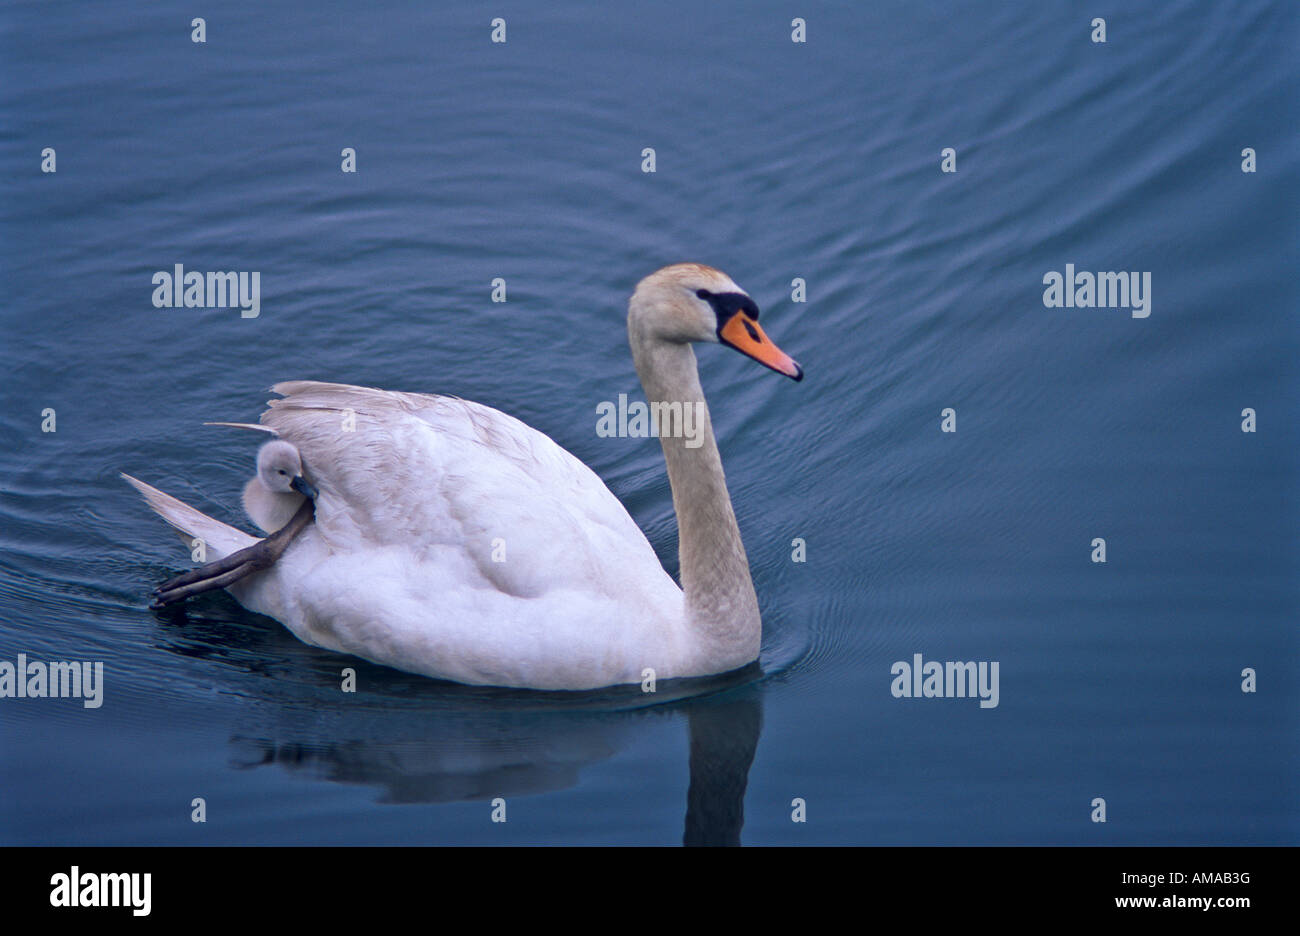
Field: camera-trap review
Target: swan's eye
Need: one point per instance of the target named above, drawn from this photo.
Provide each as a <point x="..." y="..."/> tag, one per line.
<point x="703" y="293"/>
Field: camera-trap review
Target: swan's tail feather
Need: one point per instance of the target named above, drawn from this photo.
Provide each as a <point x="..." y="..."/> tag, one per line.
<point x="257" y="427"/>
<point x="220" y="539"/>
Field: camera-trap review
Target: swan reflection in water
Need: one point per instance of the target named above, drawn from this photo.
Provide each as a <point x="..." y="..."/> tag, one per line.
<point x="471" y="752"/>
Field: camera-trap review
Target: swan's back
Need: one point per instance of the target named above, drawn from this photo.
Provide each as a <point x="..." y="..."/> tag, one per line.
<point x="460" y="507"/>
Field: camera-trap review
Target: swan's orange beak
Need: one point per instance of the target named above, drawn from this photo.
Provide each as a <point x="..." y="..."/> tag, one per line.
<point x="744" y="334"/>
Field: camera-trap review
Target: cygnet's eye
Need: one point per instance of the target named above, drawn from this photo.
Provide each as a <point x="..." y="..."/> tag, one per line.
<point x="282" y="471"/>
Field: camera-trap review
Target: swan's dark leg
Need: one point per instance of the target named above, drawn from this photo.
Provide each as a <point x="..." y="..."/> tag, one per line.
<point x="234" y="567"/>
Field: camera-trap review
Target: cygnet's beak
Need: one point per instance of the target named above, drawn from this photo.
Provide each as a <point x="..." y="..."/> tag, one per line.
<point x="303" y="488"/>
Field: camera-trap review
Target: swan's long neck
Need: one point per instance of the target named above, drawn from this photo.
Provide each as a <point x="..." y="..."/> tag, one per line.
<point x="721" y="606"/>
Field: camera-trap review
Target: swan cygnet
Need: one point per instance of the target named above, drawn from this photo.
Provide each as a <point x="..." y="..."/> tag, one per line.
<point x="454" y="541"/>
<point x="274" y="494"/>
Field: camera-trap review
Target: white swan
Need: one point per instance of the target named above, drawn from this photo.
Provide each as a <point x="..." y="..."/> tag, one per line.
<point x="454" y="541"/>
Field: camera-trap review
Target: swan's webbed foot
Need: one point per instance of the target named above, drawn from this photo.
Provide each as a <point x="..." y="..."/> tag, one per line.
<point x="232" y="568"/>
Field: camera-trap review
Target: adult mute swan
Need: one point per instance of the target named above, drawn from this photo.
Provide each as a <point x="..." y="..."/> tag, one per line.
<point x="452" y="540"/>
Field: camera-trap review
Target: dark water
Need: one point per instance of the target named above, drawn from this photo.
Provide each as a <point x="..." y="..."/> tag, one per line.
<point x="775" y="160"/>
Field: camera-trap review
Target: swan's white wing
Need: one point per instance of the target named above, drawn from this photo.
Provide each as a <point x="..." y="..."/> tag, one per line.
<point x="437" y="475"/>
